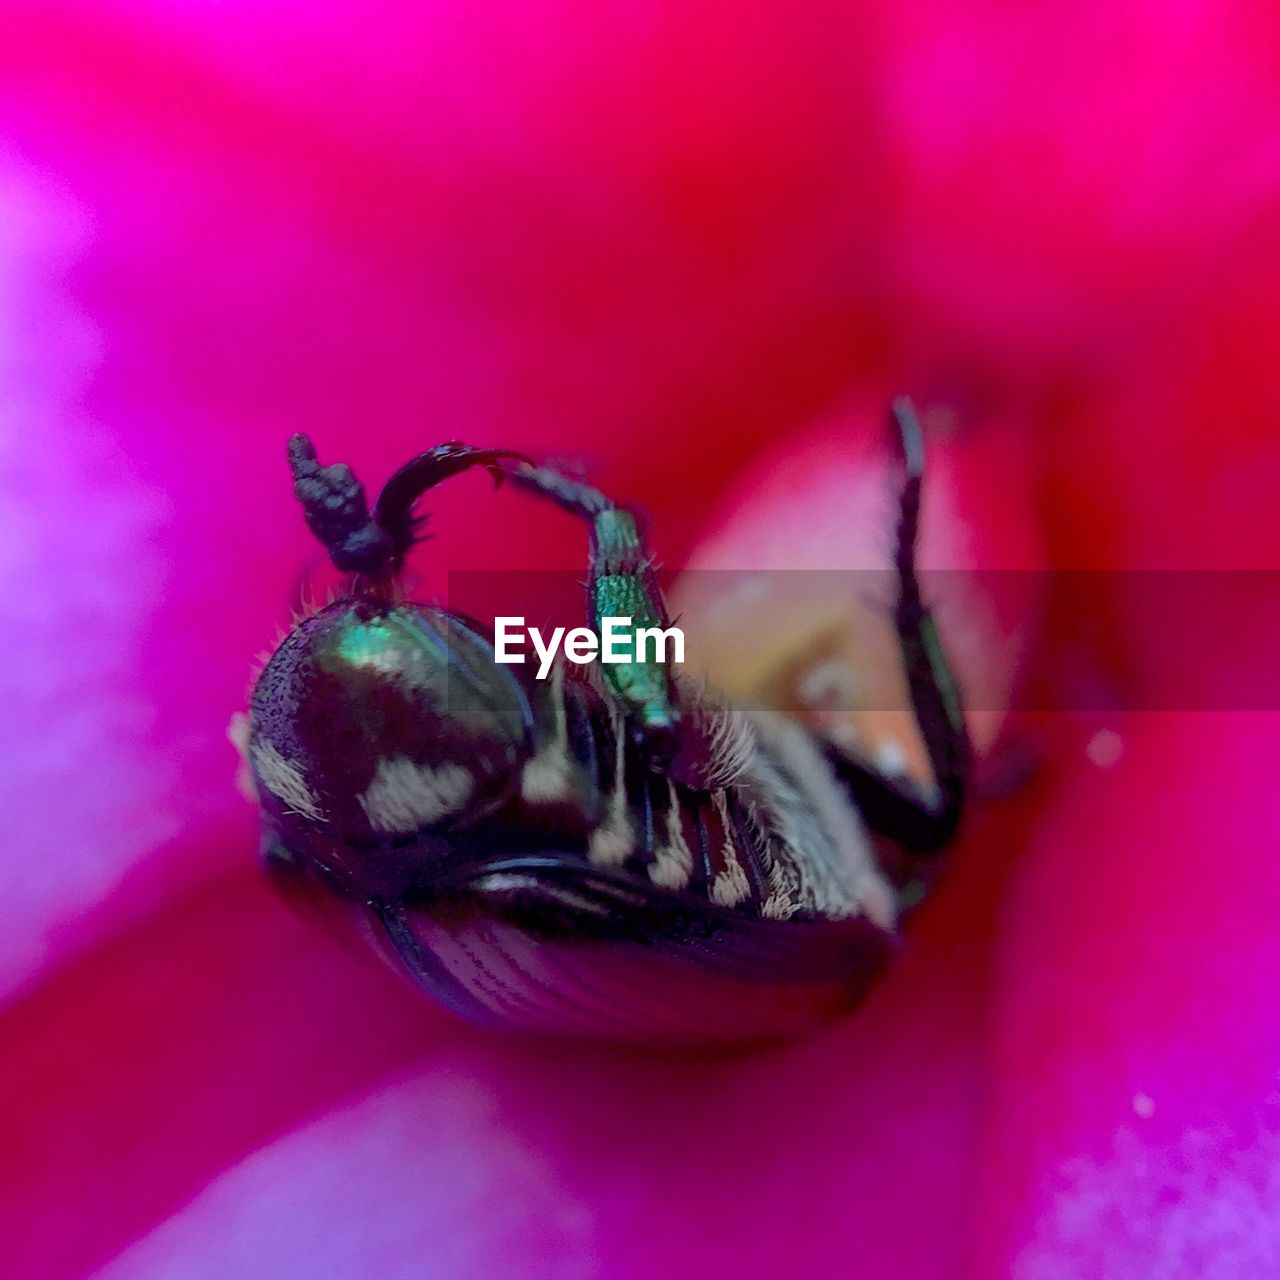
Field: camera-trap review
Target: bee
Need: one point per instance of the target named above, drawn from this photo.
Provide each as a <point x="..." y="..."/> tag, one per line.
<point x="623" y="854"/>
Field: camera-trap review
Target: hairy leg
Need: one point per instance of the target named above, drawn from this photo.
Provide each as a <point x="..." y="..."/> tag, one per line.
<point x="894" y="807"/>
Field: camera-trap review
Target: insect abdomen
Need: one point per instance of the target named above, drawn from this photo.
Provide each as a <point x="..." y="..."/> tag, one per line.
<point x="764" y="830"/>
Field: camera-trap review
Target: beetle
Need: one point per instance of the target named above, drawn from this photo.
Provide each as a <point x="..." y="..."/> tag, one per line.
<point x="622" y="854"/>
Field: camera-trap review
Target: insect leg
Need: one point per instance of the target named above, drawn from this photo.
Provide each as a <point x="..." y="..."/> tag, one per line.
<point x="373" y="543"/>
<point x="621" y="584"/>
<point x="893" y="806"/>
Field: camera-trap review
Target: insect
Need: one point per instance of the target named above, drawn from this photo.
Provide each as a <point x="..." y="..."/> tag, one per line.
<point x="623" y="854"/>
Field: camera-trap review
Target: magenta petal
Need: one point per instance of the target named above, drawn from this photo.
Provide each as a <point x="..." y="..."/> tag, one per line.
<point x="81" y="581"/>
<point x="1138" y="1118"/>
<point x="502" y="1157"/>
<point x="607" y="233"/>
<point x="169" y="1057"/>
<point x="424" y="1178"/>
<point x="143" y="1070"/>
<point x="1062" y="173"/>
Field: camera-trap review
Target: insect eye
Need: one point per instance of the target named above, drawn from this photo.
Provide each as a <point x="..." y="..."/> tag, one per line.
<point x="379" y="722"/>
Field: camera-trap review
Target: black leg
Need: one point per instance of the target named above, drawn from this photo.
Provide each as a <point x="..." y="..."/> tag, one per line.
<point x="894" y="807"/>
<point x="621" y="584"/>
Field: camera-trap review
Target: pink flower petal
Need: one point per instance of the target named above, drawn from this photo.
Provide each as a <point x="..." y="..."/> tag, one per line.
<point x="654" y="241"/>
<point x="1061" y="174"/>
<point x="421" y="1178"/>
<point x="528" y="1159"/>
<point x="140" y="1072"/>
<point x="1138" y="1120"/>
